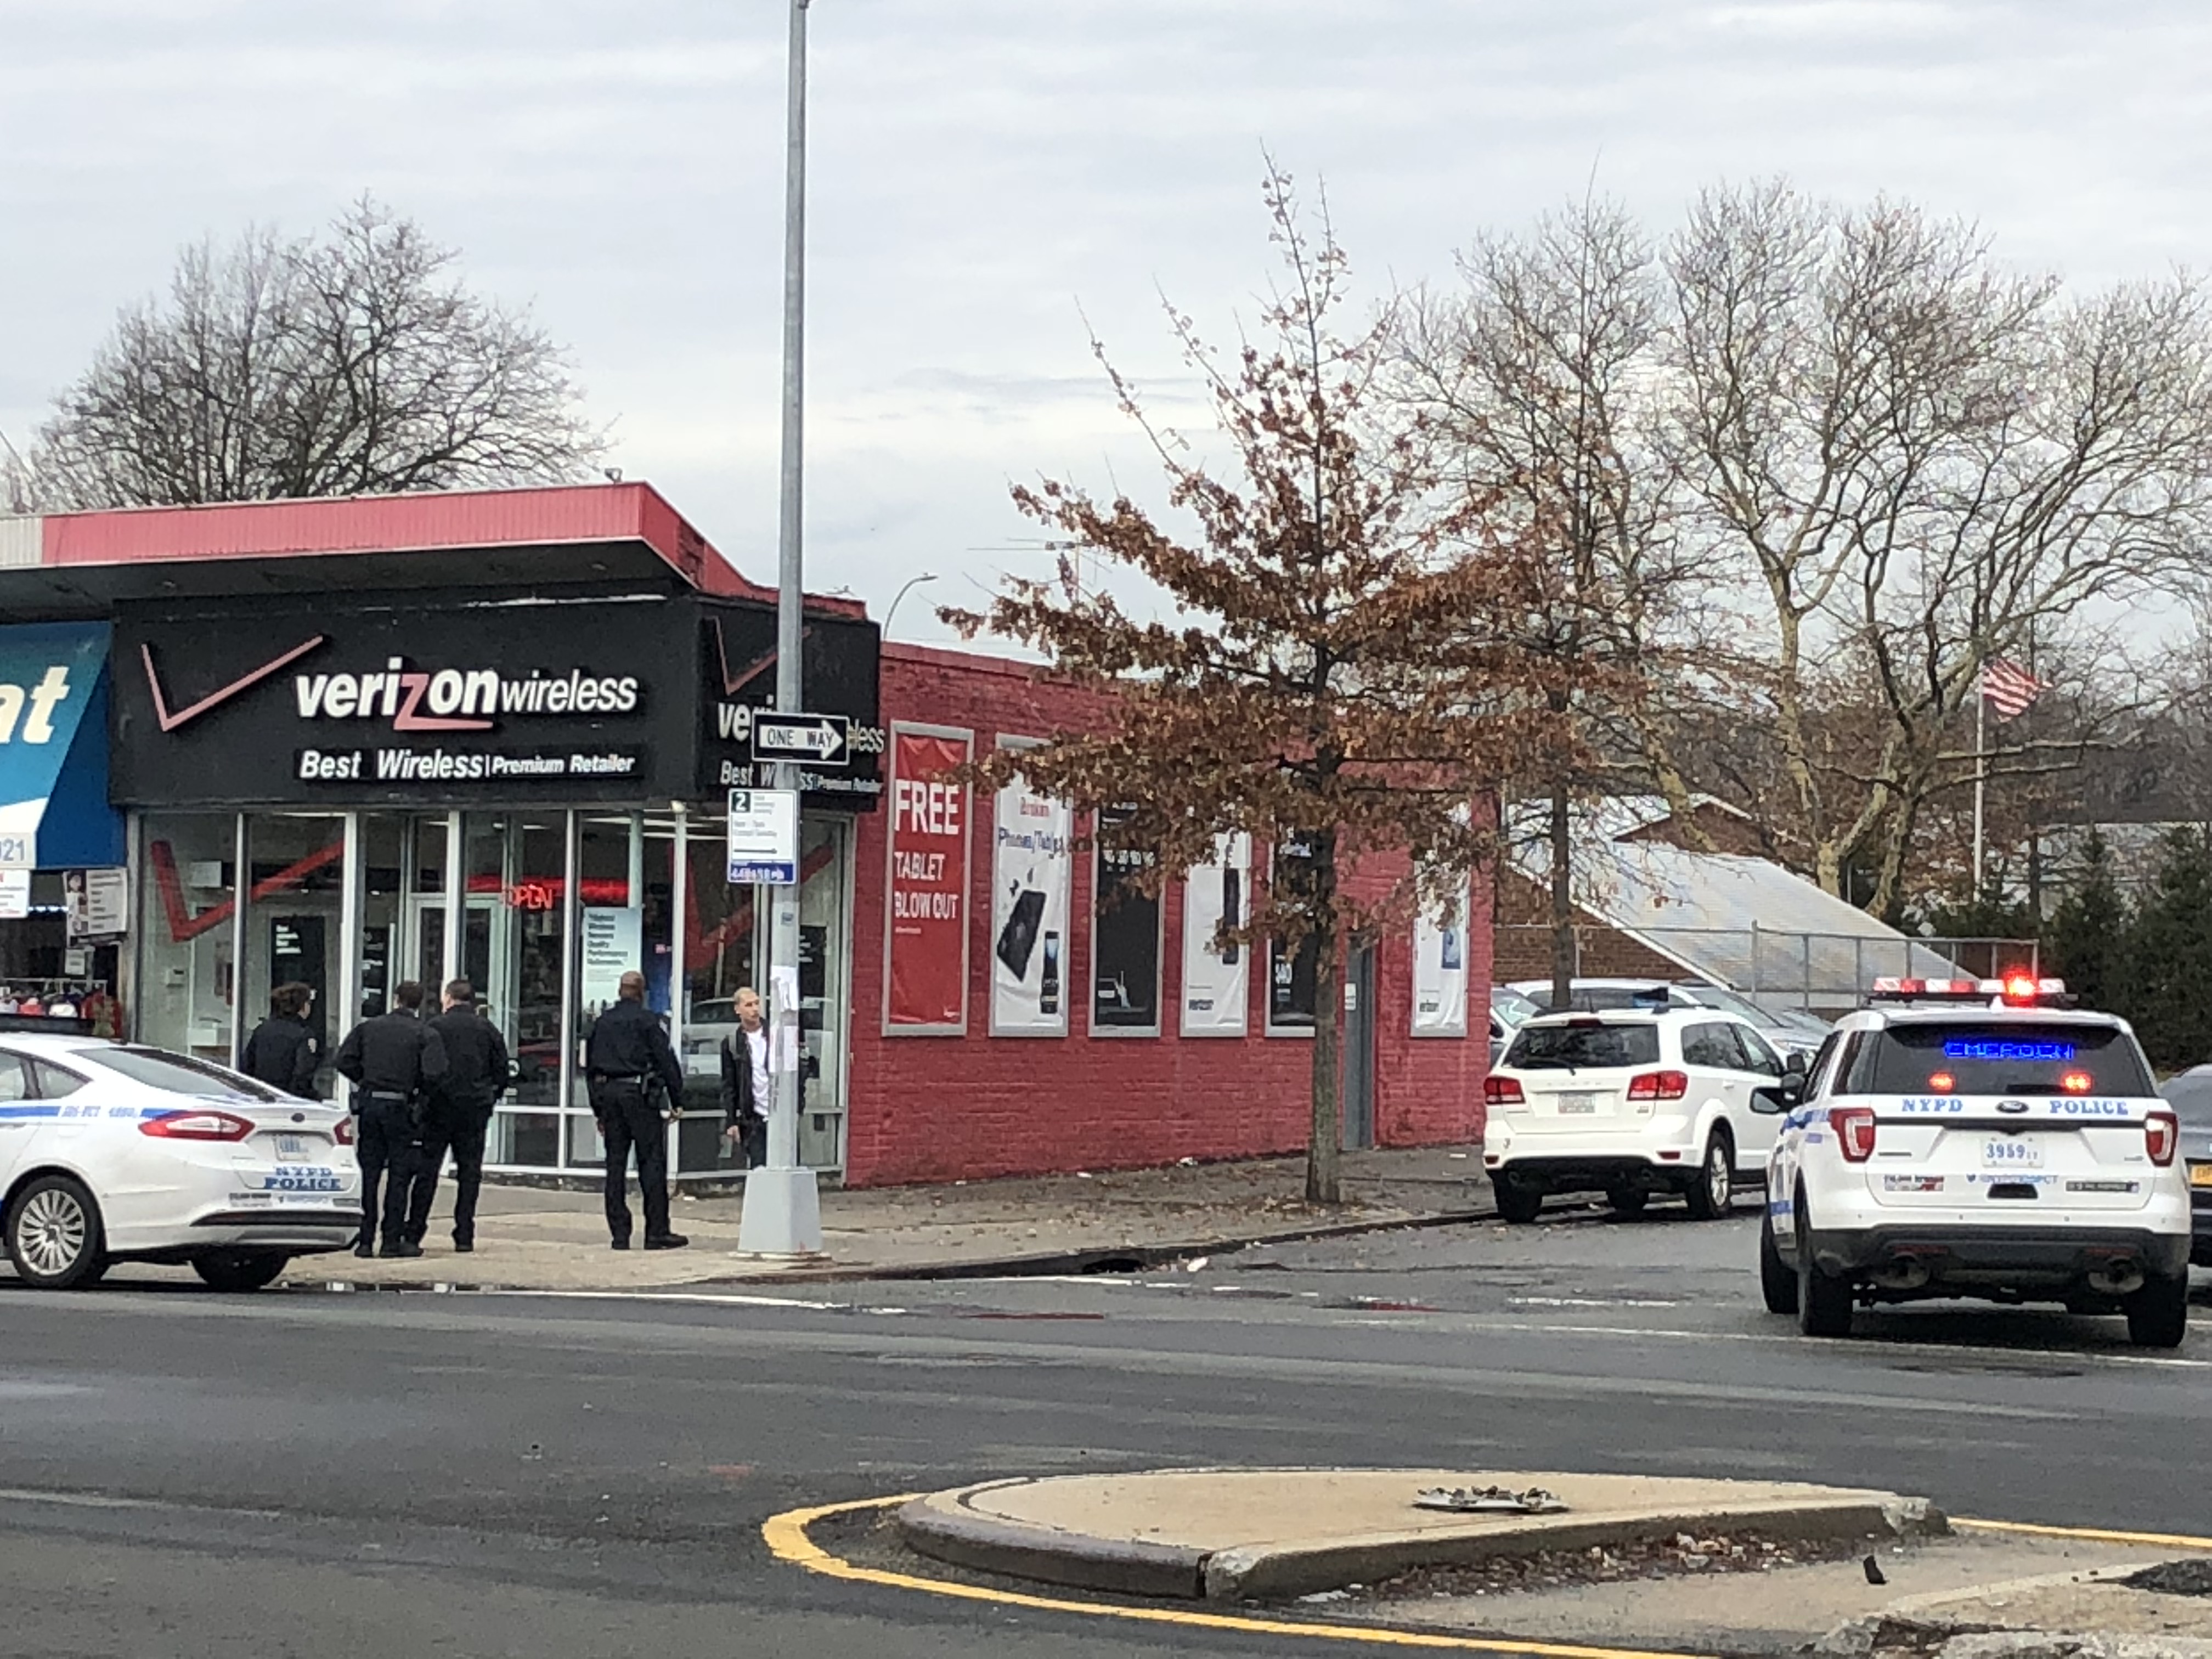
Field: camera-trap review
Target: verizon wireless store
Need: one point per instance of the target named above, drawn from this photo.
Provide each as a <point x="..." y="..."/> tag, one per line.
<point x="493" y="735"/>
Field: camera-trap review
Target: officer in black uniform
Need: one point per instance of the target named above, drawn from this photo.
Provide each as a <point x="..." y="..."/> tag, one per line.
<point x="632" y="1070"/>
<point x="392" y="1060"/>
<point x="284" y="1050"/>
<point x="478" y="1071"/>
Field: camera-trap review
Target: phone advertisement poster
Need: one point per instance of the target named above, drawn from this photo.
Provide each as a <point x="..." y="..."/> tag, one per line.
<point x="1440" y="970"/>
<point x="1032" y="866"/>
<point x="1217" y="977"/>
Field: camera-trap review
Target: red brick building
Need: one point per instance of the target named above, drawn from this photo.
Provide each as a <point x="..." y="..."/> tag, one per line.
<point x="495" y="735"/>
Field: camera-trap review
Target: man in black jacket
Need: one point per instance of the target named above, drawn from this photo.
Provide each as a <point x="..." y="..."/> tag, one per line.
<point x="748" y="1091"/>
<point x="477" y="1073"/>
<point x="631" y="1070"/>
<point x="392" y="1060"/>
<point x="283" y="1051"/>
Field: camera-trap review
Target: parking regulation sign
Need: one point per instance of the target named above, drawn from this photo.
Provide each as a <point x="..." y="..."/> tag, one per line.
<point x="763" y="837"/>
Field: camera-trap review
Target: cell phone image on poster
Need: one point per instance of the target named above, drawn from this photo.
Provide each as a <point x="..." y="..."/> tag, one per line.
<point x="1125" y="933"/>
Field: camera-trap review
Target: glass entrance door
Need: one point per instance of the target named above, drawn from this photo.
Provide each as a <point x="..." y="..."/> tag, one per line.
<point x="482" y="961"/>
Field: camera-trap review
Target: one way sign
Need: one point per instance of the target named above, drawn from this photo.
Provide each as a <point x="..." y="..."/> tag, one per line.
<point x="817" y="739"/>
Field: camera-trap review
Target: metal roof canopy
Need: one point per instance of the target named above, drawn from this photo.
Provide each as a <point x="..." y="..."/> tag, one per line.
<point x="75" y="566"/>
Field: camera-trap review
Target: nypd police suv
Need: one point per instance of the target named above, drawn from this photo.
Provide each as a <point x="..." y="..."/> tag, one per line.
<point x="1964" y="1138"/>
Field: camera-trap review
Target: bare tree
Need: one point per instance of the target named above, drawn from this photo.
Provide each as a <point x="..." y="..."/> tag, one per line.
<point x="352" y="364"/>
<point x="1926" y="460"/>
<point x="1540" y="377"/>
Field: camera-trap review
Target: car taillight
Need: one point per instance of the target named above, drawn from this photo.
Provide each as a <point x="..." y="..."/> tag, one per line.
<point x="1659" y="1085"/>
<point x="1501" y="1091"/>
<point x="196" y="1125"/>
<point x="1854" y="1128"/>
<point x="341" y="1132"/>
<point x="2161" y="1136"/>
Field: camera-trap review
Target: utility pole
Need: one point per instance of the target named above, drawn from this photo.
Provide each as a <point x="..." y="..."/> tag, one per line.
<point x="782" y="1208"/>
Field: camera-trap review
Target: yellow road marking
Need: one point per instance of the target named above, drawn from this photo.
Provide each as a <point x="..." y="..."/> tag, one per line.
<point x="2168" y="1540"/>
<point x="788" y="1542"/>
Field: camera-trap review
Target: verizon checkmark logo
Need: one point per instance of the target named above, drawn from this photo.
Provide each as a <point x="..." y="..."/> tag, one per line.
<point x="215" y="699"/>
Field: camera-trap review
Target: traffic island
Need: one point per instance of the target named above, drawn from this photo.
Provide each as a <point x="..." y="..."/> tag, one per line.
<point x="1256" y="1535"/>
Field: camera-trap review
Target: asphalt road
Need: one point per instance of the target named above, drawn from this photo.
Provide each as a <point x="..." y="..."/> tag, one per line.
<point x="182" y="1474"/>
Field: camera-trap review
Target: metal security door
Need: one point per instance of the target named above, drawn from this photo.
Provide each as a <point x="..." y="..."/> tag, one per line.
<point x="1359" y="1048"/>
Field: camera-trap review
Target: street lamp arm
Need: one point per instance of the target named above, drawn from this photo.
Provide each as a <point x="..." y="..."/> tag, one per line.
<point x="910" y="584"/>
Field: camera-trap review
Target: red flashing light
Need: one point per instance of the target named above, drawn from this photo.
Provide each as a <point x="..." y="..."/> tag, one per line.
<point x="1941" y="1082"/>
<point x="1501" y="1091"/>
<point x="1659" y="1085"/>
<point x="2161" y="1138"/>
<point x="196" y="1125"/>
<point x="1854" y="1129"/>
<point x="2020" y="989"/>
<point x="2077" y="1082"/>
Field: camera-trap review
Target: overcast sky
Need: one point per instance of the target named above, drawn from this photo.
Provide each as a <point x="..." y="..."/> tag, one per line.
<point x="981" y="168"/>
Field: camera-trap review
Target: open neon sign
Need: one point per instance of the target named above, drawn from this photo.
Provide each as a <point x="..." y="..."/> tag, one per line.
<point x="2056" y="1053"/>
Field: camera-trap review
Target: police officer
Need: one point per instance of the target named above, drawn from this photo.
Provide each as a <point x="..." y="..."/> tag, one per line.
<point x="392" y="1060"/>
<point x="284" y="1050"/>
<point x="631" y="1069"/>
<point x="477" y="1072"/>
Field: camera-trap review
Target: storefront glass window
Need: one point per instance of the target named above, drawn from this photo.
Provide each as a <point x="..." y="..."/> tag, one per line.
<point x="383" y="918"/>
<point x="186" y="973"/>
<point x="823" y="1008"/>
<point x="293" y="919"/>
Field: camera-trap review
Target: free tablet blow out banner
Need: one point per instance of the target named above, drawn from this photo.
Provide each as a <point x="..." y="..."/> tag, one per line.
<point x="926" y="926"/>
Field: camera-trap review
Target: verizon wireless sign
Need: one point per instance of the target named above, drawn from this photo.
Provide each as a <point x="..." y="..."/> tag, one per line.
<point x="429" y="698"/>
<point x="400" y="702"/>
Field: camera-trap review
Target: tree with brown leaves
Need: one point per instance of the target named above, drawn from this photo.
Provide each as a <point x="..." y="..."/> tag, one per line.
<point x="1336" y="662"/>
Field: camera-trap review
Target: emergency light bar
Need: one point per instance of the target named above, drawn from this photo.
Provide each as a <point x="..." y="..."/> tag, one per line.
<point x="2015" y="990"/>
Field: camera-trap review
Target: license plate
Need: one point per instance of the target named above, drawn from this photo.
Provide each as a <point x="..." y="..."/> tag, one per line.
<point x="2200" y="1174"/>
<point x="2022" y="1153"/>
<point x="1577" y="1105"/>
<point x="291" y="1149"/>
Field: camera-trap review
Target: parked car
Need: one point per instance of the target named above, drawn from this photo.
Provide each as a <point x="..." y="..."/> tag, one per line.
<point x="1508" y="1012"/>
<point x="113" y="1151"/>
<point x="1629" y="1102"/>
<point x="1793" y="1033"/>
<point x="2190" y="1094"/>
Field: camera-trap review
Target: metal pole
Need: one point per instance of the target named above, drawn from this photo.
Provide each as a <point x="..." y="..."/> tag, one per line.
<point x="782" y="1208"/>
<point x="1981" y="780"/>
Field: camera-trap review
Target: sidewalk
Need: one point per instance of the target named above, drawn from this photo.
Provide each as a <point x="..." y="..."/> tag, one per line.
<point x="529" y="1238"/>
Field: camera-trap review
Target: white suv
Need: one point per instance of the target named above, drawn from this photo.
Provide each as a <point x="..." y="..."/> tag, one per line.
<point x="1629" y="1102"/>
<point x="1947" y="1145"/>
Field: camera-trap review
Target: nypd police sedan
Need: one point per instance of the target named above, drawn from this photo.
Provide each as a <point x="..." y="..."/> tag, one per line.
<point x="113" y="1151"/>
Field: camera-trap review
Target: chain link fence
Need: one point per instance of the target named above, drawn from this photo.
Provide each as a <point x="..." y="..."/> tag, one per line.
<point x="1824" y="973"/>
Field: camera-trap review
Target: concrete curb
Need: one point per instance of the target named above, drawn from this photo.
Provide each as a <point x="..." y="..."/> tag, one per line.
<point x="948" y="1526"/>
<point x="1093" y="1259"/>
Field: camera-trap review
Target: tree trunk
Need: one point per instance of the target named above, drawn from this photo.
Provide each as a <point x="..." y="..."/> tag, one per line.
<point x="1325" y="1139"/>
<point x="1564" y="954"/>
<point x="1325" y="1149"/>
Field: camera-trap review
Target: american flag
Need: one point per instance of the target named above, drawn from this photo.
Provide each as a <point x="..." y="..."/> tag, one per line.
<point x="2008" y="688"/>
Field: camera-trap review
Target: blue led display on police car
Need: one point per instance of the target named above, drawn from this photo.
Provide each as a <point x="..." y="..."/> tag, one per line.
<point x="1959" y="1049"/>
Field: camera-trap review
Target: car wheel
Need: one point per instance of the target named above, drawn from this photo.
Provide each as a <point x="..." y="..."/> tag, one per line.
<point x="1712" y="1194"/>
<point x="54" y="1235"/>
<point x="1518" y="1199"/>
<point x="2158" y="1314"/>
<point x="1824" y="1302"/>
<point x="240" y="1270"/>
<point x="1777" y="1279"/>
<point x="1628" y="1201"/>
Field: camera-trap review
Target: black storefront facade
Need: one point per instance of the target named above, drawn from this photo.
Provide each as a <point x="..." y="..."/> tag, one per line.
<point x="527" y="788"/>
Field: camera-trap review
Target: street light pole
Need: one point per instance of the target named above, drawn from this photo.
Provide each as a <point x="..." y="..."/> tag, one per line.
<point x="911" y="583"/>
<point x="783" y="1213"/>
